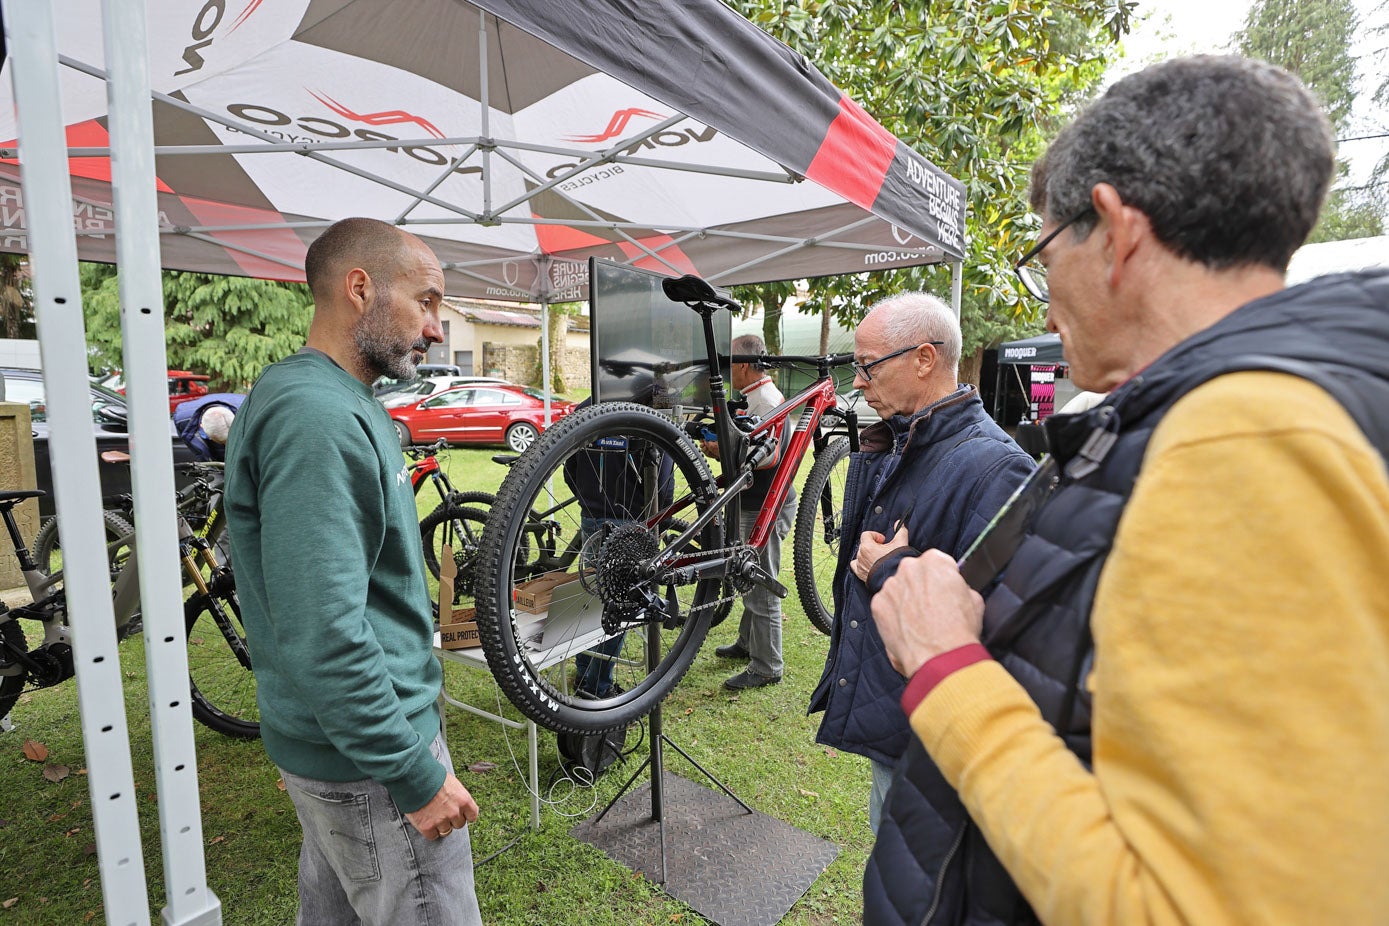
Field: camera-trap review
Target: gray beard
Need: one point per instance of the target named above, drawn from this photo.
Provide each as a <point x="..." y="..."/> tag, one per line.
<point x="381" y="353"/>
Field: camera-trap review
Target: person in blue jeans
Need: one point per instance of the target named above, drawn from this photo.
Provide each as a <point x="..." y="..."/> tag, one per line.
<point x="610" y="490"/>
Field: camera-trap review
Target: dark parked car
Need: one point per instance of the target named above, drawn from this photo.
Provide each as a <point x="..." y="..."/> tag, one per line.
<point x="490" y="414"/>
<point x="108" y="420"/>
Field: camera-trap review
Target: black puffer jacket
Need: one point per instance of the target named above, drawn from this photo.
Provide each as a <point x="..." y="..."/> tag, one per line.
<point x="946" y="470"/>
<point x="930" y="864"/>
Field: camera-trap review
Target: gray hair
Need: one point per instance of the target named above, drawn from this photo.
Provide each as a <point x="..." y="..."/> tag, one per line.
<point x="1229" y="159"/>
<point x="748" y="344"/>
<point x="915" y="318"/>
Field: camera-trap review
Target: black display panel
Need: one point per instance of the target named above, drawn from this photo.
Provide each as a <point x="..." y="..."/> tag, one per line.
<point x="645" y="348"/>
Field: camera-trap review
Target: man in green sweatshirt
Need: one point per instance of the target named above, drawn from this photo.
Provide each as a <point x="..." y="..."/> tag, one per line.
<point x="331" y="579"/>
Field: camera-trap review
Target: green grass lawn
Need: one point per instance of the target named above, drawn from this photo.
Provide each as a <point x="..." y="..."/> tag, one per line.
<point x="760" y="743"/>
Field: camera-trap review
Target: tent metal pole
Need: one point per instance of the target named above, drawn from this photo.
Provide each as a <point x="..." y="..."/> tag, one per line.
<point x="957" y="285"/>
<point x="545" y="292"/>
<point x="190" y="902"/>
<point x="32" y="45"/>
<point x="485" y="144"/>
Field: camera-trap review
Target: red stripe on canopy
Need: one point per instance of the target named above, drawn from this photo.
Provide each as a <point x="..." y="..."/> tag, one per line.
<point x="854" y="157"/>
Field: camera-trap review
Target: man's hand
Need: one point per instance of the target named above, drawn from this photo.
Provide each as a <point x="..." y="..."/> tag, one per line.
<point x="710" y="448"/>
<point x="873" y="546"/>
<point x="926" y="609"/>
<point x="450" y="809"/>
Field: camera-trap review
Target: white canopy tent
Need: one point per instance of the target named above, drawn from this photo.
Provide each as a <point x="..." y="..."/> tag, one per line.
<point x="210" y="138"/>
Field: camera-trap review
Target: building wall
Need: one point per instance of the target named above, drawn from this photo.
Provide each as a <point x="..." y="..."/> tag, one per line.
<point x="16" y="472"/>
<point x="517" y="362"/>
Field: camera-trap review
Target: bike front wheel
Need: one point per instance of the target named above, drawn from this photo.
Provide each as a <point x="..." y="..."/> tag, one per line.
<point x="221" y="682"/>
<point x="593" y="649"/>
<point x="819" y="527"/>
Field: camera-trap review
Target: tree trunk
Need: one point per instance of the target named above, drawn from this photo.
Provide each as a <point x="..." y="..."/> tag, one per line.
<point x="11" y="295"/>
<point x="559" y="329"/>
<point x="825" y="329"/>
<point x="771" y="324"/>
<point x="971" y="366"/>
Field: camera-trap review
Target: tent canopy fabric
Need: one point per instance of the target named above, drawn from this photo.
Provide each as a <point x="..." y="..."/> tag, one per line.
<point x="672" y="134"/>
<point x="1045" y="348"/>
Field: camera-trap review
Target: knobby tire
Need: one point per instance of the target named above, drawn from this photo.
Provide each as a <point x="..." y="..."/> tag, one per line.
<point x="819" y="520"/>
<point x="545" y="690"/>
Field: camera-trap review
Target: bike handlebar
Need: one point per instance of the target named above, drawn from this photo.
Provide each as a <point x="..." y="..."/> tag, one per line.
<point x="418" y="451"/>
<point x="780" y="360"/>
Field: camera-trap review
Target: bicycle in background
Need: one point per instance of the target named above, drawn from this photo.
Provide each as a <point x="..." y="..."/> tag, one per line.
<point x="221" y="682"/>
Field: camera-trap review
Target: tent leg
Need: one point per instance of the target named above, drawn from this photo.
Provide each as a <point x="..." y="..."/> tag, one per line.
<point x="152" y="477"/>
<point x="32" y="45"/>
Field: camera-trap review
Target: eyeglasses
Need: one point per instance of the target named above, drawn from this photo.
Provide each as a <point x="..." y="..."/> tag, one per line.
<point x="1034" y="278"/>
<point x="862" y="368"/>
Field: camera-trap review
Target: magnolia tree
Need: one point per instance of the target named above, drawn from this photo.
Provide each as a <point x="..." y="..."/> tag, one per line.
<point x="978" y="87"/>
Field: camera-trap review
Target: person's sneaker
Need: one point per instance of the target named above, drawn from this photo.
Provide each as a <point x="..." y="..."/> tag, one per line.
<point x="732" y="651"/>
<point x="750" y="679"/>
<point x="613" y="691"/>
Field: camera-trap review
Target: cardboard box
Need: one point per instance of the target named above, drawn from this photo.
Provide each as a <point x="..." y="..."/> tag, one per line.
<point x="461" y="630"/>
<point x="533" y="595"/>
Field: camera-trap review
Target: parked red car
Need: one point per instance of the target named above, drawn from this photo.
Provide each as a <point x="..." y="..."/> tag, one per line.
<point x="480" y="414"/>
<point x="183" y="386"/>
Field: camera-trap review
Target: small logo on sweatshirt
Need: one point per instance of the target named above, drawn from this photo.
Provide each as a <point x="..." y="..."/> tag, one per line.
<point x="403" y="476"/>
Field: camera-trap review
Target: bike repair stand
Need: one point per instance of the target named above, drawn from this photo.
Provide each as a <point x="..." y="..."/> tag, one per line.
<point x="733" y="865"/>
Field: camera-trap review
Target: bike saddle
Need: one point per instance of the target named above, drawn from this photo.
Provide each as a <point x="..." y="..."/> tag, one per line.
<point x="692" y="290"/>
<point x="9" y="499"/>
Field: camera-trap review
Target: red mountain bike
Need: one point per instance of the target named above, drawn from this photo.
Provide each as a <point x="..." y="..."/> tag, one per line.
<point x="653" y="587"/>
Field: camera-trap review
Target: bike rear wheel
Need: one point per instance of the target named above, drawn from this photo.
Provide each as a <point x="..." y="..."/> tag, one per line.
<point x="48" y="548"/>
<point x="221" y="682"/>
<point x="819" y="523"/>
<point x="649" y="626"/>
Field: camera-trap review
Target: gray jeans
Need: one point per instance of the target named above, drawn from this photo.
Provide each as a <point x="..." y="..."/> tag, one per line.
<point x="759" y="632"/>
<point x="363" y="864"/>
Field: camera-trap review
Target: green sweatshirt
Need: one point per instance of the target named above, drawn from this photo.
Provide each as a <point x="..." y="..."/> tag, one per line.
<point x="330" y="573"/>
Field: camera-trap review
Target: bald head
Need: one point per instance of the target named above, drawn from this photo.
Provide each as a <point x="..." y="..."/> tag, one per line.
<point x="913" y="318"/>
<point x="917" y="339"/>
<point x="372" y="245"/>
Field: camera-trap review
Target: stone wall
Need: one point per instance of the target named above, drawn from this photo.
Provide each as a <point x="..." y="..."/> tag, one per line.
<point x="517" y="362"/>
<point x="16" y="472"/>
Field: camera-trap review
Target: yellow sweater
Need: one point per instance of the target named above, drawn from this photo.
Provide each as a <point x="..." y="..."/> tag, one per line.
<point x="1241" y="687"/>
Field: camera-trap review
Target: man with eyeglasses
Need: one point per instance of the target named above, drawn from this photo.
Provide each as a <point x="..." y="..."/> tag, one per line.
<point x="931" y="473"/>
<point x="1179" y="712"/>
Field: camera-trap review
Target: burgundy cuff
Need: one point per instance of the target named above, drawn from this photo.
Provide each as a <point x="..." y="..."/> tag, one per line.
<point x="935" y="670"/>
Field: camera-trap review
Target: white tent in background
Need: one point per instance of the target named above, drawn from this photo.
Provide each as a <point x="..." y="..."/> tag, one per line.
<point x="1314" y="260"/>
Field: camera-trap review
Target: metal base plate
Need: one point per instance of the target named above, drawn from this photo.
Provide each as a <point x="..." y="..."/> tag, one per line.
<point x="733" y="867"/>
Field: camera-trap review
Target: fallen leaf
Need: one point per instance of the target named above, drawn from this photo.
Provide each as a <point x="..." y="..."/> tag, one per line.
<point x="689" y="711"/>
<point x="10" y="903"/>
<point x="216" y="839"/>
<point x="74" y="831"/>
<point x="55" y="773"/>
<point x="805" y="793"/>
<point x="81" y="771"/>
<point x="831" y="753"/>
<point x="482" y="767"/>
<point x="43" y="900"/>
<point x="88" y="849"/>
<point x="35" y="752"/>
<point x="55" y="817"/>
<point x="91" y="914"/>
<point x="280" y="783"/>
<point x="152" y="796"/>
<point x="87" y="882"/>
<point x="77" y="803"/>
